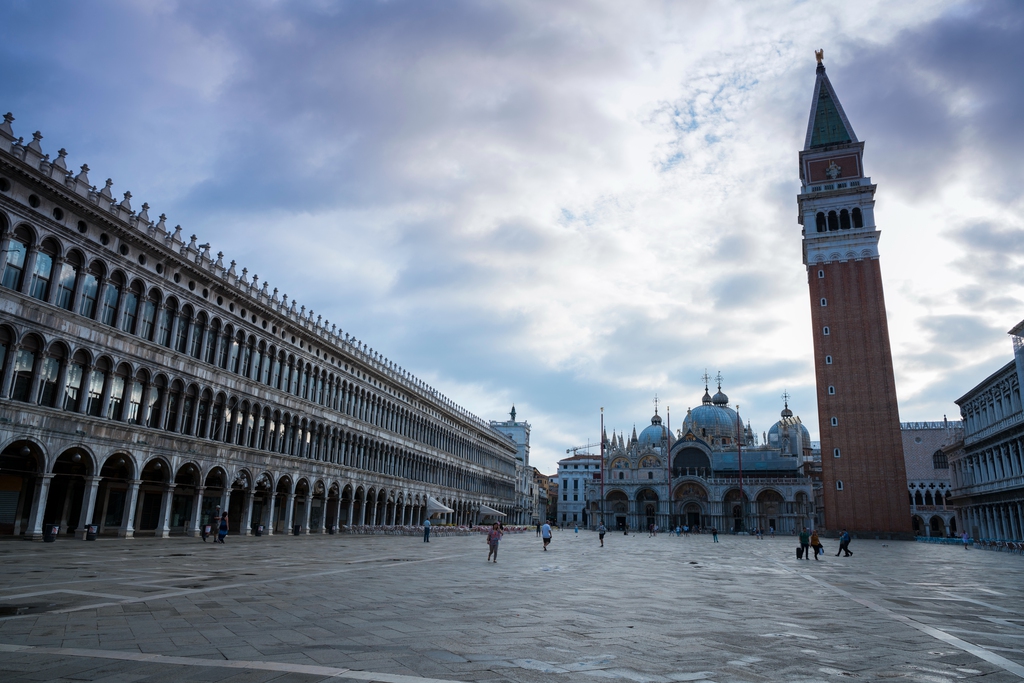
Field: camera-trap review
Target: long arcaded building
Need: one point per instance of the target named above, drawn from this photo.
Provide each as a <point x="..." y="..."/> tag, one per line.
<point x="144" y="384"/>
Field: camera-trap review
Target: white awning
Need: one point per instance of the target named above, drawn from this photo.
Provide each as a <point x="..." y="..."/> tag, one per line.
<point x="435" y="506"/>
<point x="490" y="512"/>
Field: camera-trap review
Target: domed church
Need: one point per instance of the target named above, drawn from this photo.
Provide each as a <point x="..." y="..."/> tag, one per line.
<point x="711" y="473"/>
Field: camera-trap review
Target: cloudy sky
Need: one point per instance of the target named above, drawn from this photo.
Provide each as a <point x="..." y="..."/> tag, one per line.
<point x="562" y="205"/>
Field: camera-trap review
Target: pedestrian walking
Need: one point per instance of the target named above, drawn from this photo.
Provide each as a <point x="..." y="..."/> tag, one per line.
<point x="805" y="544"/>
<point x="601" y="531"/>
<point x="222" y="530"/>
<point x="714" y="534"/>
<point x="816" y="544"/>
<point x="966" y="539"/>
<point x="577" y="529"/>
<point x="545" y="534"/>
<point x="844" y="543"/>
<point x="493" y="536"/>
<point x="771" y="531"/>
<point x="426" y="531"/>
<point x="538" y="529"/>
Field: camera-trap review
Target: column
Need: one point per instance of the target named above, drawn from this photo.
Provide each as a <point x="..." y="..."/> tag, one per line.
<point x="245" y="527"/>
<point x="351" y="510"/>
<point x="35" y="516"/>
<point x="164" y="530"/>
<point x="197" y="510"/>
<point x="269" y="526"/>
<point x="288" y="510"/>
<point x="127" y="529"/>
<point x="362" y="513"/>
<point x="30" y="266"/>
<point x="308" y="511"/>
<point x="85" y="518"/>
<point x="57" y="266"/>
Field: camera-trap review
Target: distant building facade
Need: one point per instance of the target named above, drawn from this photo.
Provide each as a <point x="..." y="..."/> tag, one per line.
<point x="988" y="467"/>
<point x="863" y="473"/>
<point x="144" y="385"/>
<point x="525" y="509"/>
<point x="574" y="475"/>
<point x="926" y="452"/>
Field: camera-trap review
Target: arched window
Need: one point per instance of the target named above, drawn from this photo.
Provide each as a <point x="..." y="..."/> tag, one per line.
<point x="135" y="397"/>
<point x="835" y="421"/>
<point x="266" y="360"/>
<point x="833" y="221"/>
<point x="73" y="384"/>
<point x="235" y="355"/>
<point x="836" y="453"/>
<point x="839" y="485"/>
<point x="819" y="221"/>
<point x="91" y="290"/>
<point x="198" y="336"/>
<point x="166" y="322"/>
<point x="844" y="220"/>
<point x="203" y="415"/>
<point x="173" y="407"/>
<point x="97" y="379"/>
<point x="131" y="307"/>
<point x="181" y="336"/>
<point x="918" y="498"/>
<point x="858" y="219"/>
<point x="155" y="402"/>
<point x="188" y="406"/>
<point x="828" y="360"/>
<point x="66" y="280"/>
<point x="49" y="371"/>
<point x="42" y="271"/>
<point x="115" y="405"/>
<point x="17" y="253"/>
<point x="217" y="418"/>
<point x="622" y="475"/>
<point x="940" y="461"/>
<point x="109" y="298"/>
<point x="831" y="390"/>
<point x="147" y="316"/>
<point x="245" y="363"/>
<point x="24" y="365"/>
<point x="225" y="347"/>
<point x="212" y="334"/>
<point x="826" y="331"/>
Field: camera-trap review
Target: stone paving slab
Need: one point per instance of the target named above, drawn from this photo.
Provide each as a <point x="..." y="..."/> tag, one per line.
<point x="396" y="610"/>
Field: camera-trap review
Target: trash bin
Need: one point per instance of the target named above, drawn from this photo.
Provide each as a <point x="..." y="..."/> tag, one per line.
<point x="297" y="529"/>
<point x="259" y="530"/>
<point x="50" y="532"/>
<point x="90" y="532"/>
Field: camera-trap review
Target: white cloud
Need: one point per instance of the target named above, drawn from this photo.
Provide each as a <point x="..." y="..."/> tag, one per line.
<point x="567" y="206"/>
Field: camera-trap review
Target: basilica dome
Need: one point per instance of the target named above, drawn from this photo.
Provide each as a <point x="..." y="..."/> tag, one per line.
<point x="654" y="434"/>
<point x="710" y="420"/>
<point x="789" y="434"/>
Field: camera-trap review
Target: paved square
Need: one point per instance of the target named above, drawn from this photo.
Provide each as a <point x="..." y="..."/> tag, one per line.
<point x="389" y="608"/>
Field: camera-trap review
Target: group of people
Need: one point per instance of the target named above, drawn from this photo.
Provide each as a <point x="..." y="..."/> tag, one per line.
<point x="220" y="521"/>
<point x="809" y="539"/>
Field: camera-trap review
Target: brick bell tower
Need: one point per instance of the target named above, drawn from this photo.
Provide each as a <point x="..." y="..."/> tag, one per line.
<point x="864" y="477"/>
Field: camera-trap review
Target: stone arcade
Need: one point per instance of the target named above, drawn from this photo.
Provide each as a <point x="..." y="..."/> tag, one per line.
<point x="143" y="383"/>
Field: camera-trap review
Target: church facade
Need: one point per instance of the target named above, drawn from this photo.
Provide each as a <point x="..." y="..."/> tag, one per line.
<point x="146" y="385"/>
<point x="711" y="473"/>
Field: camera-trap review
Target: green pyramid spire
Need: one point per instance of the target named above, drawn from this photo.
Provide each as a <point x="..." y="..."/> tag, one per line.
<point x="828" y="124"/>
